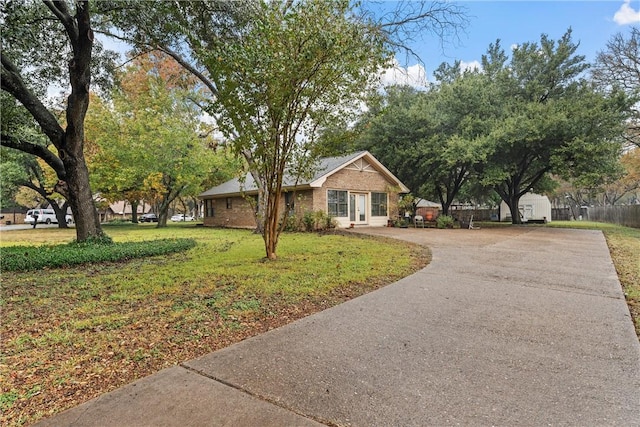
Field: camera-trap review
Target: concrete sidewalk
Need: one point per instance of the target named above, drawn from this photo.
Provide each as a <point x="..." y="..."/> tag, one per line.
<point x="517" y="326"/>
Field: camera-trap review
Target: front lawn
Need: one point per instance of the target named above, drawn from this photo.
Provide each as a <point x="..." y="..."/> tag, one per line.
<point x="73" y="333"/>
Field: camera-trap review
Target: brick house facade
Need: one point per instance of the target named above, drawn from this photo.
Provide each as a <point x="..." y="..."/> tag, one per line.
<point x="354" y="189"/>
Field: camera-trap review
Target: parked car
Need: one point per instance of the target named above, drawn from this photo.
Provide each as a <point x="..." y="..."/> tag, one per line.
<point x="43" y="216"/>
<point x="150" y="217"/>
<point x="182" y="217"/>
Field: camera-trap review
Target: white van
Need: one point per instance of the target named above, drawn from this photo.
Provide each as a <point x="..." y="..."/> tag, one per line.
<point x="45" y="216"/>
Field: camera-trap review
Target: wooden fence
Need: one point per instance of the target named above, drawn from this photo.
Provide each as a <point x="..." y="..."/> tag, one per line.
<point x="623" y="215"/>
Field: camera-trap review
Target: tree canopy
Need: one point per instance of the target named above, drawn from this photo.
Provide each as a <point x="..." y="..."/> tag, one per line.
<point x="150" y="143"/>
<point x="508" y="127"/>
<point x="432" y="139"/>
<point x="618" y="66"/>
<point x="551" y="119"/>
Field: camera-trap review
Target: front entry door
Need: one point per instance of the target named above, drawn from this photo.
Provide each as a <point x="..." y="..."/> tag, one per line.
<point x="358" y="208"/>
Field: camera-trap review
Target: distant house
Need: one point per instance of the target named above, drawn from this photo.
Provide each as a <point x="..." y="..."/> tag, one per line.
<point x="354" y="189"/>
<point x="121" y="210"/>
<point x="532" y="208"/>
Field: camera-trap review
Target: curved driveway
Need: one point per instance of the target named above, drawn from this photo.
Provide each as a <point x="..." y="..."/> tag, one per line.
<point x="514" y="326"/>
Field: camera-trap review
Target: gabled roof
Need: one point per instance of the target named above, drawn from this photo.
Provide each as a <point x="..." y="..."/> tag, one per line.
<point x="424" y="203"/>
<point x="326" y="167"/>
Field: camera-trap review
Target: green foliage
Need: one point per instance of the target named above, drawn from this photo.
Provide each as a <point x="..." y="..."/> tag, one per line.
<point x="549" y="121"/>
<point x="506" y="129"/>
<point x="94" y="250"/>
<point x="148" y="142"/>
<point x="311" y="221"/>
<point x="431" y="140"/>
<point x="444" y="221"/>
<point x="118" y="222"/>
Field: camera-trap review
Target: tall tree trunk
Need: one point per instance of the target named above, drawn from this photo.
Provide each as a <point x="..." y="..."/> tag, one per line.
<point x="134" y="211"/>
<point x="79" y="193"/>
<point x="514" y="206"/>
<point x="71" y="151"/>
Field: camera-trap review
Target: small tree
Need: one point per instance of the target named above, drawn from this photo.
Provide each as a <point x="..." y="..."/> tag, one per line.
<point x="294" y="69"/>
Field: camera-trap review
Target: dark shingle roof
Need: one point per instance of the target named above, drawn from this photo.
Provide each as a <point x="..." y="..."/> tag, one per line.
<point x="325" y="167"/>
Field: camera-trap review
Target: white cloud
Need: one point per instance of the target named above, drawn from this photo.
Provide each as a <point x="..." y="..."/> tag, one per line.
<point x="470" y="66"/>
<point x="413" y="75"/>
<point x="626" y="14"/>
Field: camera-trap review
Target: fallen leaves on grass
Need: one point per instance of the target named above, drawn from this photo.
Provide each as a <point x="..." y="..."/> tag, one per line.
<point x="67" y="341"/>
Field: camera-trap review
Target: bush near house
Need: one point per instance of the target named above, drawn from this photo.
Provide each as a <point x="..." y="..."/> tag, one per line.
<point x="310" y="221"/>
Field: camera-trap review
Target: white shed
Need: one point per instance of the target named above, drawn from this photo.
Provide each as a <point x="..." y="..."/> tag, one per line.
<point x="533" y="208"/>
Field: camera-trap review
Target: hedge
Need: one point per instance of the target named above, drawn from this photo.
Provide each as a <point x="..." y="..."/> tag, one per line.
<point x="24" y="258"/>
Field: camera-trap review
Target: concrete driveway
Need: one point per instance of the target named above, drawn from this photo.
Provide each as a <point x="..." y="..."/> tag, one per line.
<point x="516" y="326"/>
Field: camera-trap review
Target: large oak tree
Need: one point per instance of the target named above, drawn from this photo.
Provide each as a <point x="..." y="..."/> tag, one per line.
<point x="550" y="121"/>
<point x="43" y="44"/>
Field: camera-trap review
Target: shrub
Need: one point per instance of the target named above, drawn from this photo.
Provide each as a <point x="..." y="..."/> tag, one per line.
<point x="23" y="258"/>
<point x="292" y="223"/>
<point x="444" y="221"/>
<point x="311" y="221"/>
<point x="118" y="222"/>
<point x="308" y="221"/>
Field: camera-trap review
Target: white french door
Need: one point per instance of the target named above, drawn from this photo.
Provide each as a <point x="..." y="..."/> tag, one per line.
<point x="358" y="208"/>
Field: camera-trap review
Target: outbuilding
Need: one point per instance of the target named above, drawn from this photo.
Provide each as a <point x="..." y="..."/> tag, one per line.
<point x="532" y="207"/>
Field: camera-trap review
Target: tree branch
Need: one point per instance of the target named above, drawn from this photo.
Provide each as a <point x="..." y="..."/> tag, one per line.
<point x="60" y="10"/>
<point x="208" y="83"/>
<point x="37" y="150"/>
<point x="12" y="83"/>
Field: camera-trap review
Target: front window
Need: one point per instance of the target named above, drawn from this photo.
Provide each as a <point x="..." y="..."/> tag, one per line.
<point x="289" y="202"/>
<point x="337" y="203"/>
<point x="229" y="203"/>
<point x="378" y="204"/>
<point x="208" y="208"/>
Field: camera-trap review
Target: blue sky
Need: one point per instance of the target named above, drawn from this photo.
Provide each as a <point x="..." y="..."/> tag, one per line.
<point x="513" y="22"/>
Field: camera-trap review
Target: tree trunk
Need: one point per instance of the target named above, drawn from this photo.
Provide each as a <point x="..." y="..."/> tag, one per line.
<point x="134" y="211"/>
<point x="79" y="193"/>
<point x="165" y="203"/>
<point x="61" y="213"/>
<point x="271" y="229"/>
<point x="513" y="202"/>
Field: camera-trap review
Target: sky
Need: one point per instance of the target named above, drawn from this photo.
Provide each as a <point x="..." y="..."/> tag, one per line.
<point x="593" y="24"/>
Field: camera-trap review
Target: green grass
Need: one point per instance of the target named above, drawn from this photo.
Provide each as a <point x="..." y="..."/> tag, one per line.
<point x="69" y="334"/>
<point x="624" y="247"/>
